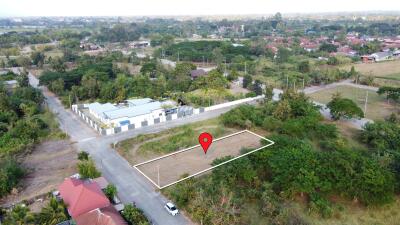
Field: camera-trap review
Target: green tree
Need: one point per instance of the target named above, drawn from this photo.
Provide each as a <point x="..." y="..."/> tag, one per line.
<point x="257" y="87"/>
<point x="20" y="215"/>
<point x="327" y="47"/>
<point x="344" y="108"/>
<point x="283" y="55"/>
<point x="283" y="110"/>
<point x="247" y="81"/>
<point x="87" y="169"/>
<point x="134" y="215"/>
<point x="392" y="93"/>
<point x="304" y="67"/>
<point x="57" y="64"/>
<point x="82" y="155"/>
<point x="110" y="191"/>
<point x="38" y="58"/>
<point x="23" y="79"/>
<point x="53" y="213"/>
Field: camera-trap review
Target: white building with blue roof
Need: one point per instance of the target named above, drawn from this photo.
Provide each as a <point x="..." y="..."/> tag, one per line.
<point x="134" y="112"/>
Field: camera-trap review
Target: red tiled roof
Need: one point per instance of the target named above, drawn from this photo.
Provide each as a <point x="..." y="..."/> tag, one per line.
<point x="82" y="196"/>
<point x="104" y="216"/>
<point x="102" y="182"/>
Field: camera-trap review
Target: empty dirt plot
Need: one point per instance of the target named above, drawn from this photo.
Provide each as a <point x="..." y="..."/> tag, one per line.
<point x="169" y="169"/>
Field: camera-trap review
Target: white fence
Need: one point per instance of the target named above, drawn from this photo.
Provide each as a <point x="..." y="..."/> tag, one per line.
<point x="233" y="103"/>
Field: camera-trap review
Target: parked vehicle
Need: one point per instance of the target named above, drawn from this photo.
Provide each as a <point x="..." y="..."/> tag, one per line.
<point x="171" y="209"/>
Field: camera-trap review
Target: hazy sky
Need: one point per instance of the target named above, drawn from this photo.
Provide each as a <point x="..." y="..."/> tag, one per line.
<point x="184" y="7"/>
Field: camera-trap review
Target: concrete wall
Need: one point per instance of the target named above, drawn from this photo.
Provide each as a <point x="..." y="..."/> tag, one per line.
<point x="135" y="123"/>
<point x="233" y="103"/>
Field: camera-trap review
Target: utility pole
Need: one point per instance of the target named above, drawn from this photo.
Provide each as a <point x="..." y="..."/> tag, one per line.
<point x="70" y="103"/>
<point x="303" y="84"/>
<point x="245" y="67"/>
<point x="287" y="82"/>
<point x="158" y="175"/>
<point x="225" y="67"/>
<point x="366" y="102"/>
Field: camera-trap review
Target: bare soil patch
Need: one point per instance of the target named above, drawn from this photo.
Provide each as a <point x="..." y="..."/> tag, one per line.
<point x="47" y="166"/>
<point x="172" y="168"/>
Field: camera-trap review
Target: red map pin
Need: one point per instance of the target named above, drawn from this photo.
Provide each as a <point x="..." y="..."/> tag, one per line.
<point x="205" y="140"/>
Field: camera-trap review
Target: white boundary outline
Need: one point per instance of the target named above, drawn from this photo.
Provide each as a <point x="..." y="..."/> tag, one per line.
<point x="200" y="172"/>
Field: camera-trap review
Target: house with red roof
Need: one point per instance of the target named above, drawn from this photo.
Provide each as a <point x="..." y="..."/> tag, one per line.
<point x="86" y="202"/>
<point x="104" y="216"/>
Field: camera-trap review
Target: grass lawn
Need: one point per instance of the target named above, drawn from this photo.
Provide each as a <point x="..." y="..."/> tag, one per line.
<point x="377" y="106"/>
<point x="385" y="73"/>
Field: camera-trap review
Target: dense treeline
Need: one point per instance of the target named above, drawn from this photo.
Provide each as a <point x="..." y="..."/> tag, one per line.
<point x="119" y="33"/>
<point x="23" y="122"/>
<point x="310" y="162"/>
<point x="98" y="79"/>
<point x="7" y="39"/>
<point x="199" y="51"/>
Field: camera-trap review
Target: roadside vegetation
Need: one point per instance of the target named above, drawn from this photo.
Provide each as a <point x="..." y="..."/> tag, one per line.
<point x="24" y="122"/>
<point x="311" y="174"/>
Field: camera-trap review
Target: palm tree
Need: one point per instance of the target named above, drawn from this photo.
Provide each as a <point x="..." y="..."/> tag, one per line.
<point x="20" y="215"/>
<point x="52" y="214"/>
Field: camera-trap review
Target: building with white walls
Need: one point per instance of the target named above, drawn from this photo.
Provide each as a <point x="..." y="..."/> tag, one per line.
<point x="134" y="112"/>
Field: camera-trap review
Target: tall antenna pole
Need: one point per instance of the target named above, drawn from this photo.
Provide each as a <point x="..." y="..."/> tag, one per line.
<point x="365" y="104"/>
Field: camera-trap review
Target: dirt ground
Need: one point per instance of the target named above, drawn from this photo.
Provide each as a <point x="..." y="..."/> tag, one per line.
<point x="192" y="161"/>
<point x="47" y="166"/>
<point x="237" y="89"/>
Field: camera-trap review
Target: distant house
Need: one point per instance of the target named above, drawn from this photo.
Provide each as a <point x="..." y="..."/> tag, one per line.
<point x="197" y="73"/>
<point x="140" y="44"/>
<point x="237" y="45"/>
<point x="381" y="56"/>
<point x="311" y="47"/>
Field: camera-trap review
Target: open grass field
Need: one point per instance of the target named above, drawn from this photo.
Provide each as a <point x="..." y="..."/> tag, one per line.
<point x="357" y="215"/>
<point x="385" y="73"/>
<point x="171" y="168"/>
<point x="381" y="69"/>
<point x="377" y="106"/>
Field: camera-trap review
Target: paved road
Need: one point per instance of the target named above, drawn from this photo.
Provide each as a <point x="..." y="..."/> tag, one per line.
<point x="132" y="186"/>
